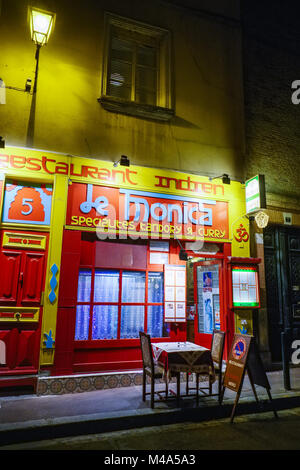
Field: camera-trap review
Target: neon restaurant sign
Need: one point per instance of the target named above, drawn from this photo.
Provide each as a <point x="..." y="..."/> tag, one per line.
<point x="145" y="214"/>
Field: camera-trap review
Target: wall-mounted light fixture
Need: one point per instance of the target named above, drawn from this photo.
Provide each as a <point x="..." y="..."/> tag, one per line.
<point x="225" y="178"/>
<point x="183" y="256"/>
<point x="124" y="161"/>
<point x="261" y="219"/>
<point x="41" y="25"/>
<point x="28" y="85"/>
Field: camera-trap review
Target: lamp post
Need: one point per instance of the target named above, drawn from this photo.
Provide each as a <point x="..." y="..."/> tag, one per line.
<point x="41" y="25"/>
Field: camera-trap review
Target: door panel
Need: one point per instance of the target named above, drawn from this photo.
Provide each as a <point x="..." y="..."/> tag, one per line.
<point x="9" y="276"/>
<point x="282" y="268"/>
<point x="32" y="278"/>
<point x="21" y="284"/>
<point x="20" y="348"/>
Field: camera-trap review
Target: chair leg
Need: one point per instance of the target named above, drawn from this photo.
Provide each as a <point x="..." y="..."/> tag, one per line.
<point x="210" y="385"/>
<point x="144" y="386"/>
<point x="152" y="391"/>
<point x="178" y="389"/>
<point x="220" y="387"/>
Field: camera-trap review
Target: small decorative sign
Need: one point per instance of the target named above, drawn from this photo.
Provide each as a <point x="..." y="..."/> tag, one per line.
<point x="27" y="203"/>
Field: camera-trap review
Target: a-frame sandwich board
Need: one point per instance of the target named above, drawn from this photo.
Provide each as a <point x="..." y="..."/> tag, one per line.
<point x="244" y="357"/>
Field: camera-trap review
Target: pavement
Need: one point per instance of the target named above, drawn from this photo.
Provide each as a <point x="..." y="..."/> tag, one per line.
<point x="28" y="418"/>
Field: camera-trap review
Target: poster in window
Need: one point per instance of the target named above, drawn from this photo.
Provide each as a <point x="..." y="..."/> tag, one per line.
<point x="27" y="203"/>
<point x="180" y="294"/>
<point x="169" y="311"/>
<point x="180" y="311"/>
<point x="245" y="290"/>
<point x="175" y="293"/>
<point x="169" y="294"/>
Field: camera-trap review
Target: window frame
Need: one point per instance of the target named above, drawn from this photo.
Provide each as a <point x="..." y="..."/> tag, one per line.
<point x="96" y="343"/>
<point x="163" y="109"/>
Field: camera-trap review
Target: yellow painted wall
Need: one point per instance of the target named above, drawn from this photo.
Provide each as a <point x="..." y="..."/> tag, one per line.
<point x="206" y="134"/>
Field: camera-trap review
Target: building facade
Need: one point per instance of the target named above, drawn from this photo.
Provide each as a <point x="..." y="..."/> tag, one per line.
<point x="122" y="203"/>
<point x="271" y="66"/>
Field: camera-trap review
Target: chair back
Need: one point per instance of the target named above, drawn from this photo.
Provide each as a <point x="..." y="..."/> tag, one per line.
<point x="217" y="346"/>
<point x="146" y="348"/>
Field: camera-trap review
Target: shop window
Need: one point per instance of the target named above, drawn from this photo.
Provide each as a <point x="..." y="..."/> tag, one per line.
<point x="136" y="75"/>
<point x="117" y="304"/>
<point x="208" y="298"/>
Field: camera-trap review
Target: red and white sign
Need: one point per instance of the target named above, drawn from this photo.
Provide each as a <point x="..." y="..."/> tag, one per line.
<point x="144" y="213"/>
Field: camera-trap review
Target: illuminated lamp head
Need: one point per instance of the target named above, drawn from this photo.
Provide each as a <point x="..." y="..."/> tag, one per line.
<point x="41" y="25"/>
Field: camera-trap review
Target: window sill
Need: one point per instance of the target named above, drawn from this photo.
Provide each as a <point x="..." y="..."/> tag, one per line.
<point x="135" y="109"/>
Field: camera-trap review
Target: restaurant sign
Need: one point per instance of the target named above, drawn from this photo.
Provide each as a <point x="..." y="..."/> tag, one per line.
<point x="145" y="214"/>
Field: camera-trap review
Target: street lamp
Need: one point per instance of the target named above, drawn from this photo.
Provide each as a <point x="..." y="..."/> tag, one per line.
<point x="41" y="25"/>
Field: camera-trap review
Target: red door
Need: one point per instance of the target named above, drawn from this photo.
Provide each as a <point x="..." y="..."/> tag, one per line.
<point x="21" y="286"/>
<point x="209" y="300"/>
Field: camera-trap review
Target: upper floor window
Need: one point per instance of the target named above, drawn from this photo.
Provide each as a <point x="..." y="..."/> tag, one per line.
<point x="136" y="75"/>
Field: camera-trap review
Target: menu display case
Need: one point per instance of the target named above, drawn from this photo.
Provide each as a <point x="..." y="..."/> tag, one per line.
<point x="244" y="280"/>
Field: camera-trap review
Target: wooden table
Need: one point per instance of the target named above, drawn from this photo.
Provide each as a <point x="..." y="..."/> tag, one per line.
<point x="184" y="356"/>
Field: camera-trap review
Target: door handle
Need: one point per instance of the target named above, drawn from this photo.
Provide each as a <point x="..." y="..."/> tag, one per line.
<point x="21" y="278"/>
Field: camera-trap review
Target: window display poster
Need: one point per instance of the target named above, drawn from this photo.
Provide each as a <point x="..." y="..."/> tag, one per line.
<point x="208" y="312"/>
<point x="208" y="302"/>
<point x="157" y="257"/>
<point x="169" y="311"/>
<point x="175" y="293"/>
<point x="27" y="203"/>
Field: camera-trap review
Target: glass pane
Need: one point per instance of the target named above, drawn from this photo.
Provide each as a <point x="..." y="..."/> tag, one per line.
<point x="155" y="287"/>
<point x="143" y="96"/>
<point x="120" y="73"/>
<point x="82" y="322"/>
<point x="132" y="320"/>
<point x="84" y="285"/>
<point x="121" y="49"/>
<point x="105" y="322"/>
<point x="146" y="78"/>
<point x="156" y="327"/>
<point x="133" y="287"/>
<point x="106" y="286"/>
<point x="146" y="55"/>
<point x="119" y="92"/>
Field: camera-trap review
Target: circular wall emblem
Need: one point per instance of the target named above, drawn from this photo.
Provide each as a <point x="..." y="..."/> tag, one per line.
<point x="239" y="348"/>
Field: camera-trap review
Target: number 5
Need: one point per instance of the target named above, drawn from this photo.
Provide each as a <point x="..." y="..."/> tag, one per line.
<point x="26" y="202"/>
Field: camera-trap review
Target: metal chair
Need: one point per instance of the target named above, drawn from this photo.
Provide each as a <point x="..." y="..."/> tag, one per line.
<point x="217" y="350"/>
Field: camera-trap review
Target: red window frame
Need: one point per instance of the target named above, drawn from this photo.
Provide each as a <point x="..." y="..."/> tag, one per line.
<point x="114" y="342"/>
